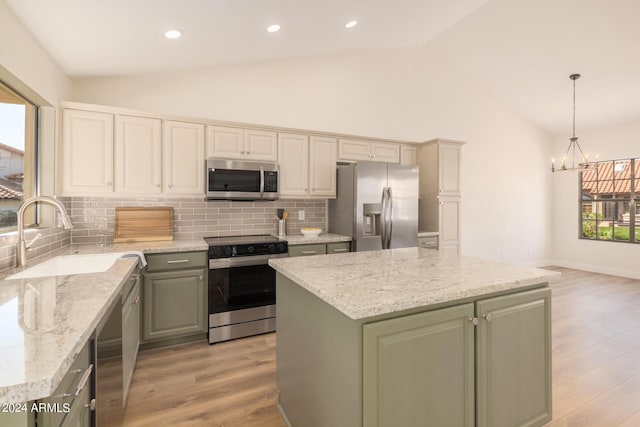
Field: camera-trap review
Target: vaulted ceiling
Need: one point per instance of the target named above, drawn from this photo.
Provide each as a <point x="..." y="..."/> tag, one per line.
<point x="521" y="50"/>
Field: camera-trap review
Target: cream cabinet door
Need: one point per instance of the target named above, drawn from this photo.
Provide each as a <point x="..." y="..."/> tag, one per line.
<point x="225" y="142"/>
<point x="87" y="152"/>
<point x="384" y="152"/>
<point x="449" y="224"/>
<point x="293" y="159"/>
<point x="261" y="145"/>
<point x="138" y="155"/>
<point x="353" y="149"/>
<point x="408" y="155"/>
<point x="322" y="166"/>
<point x="183" y="152"/>
<point x="449" y="169"/>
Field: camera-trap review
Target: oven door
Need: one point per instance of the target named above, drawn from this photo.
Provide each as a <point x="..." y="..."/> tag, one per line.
<point x="240" y="288"/>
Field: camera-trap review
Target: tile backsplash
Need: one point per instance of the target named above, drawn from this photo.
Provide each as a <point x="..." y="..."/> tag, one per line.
<point x="93" y="217"/>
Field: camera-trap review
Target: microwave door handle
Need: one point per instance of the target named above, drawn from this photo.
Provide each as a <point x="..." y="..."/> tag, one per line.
<point x="261" y="181"/>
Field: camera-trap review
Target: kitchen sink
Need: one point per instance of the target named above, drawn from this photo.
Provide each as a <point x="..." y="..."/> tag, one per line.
<point x="69" y="264"/>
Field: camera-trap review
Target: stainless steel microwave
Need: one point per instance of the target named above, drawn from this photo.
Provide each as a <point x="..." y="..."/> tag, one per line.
<point x="241" y="180"/>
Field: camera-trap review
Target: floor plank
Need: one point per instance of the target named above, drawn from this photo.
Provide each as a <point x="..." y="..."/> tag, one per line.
<point x="596" y="367"/>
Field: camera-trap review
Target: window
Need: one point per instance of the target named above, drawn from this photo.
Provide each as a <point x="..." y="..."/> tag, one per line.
<point x="18" y="118"/>
<point x="608" y="206"/>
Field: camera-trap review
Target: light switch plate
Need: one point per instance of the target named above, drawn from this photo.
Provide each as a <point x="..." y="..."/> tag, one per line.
<point x="300" y="215"/>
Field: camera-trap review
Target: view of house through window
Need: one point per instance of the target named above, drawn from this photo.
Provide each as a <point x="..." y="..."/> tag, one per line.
<point x="17" y="155"/>
<point x="609" y="210"/>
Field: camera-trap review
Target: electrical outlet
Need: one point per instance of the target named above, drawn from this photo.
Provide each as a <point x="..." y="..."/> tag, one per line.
<point x="300" y="215"/>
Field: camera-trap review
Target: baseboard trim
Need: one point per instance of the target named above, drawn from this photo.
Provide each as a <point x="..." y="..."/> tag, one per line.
<point x="283" y="415"/>
<point x="597" y="269"/>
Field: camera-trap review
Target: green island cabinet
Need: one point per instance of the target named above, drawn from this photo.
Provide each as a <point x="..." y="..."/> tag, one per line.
<point x="319" y="249"/>
<point x="482" y="362"/>
<point x="130" y="330"/>
<point x="174" y="307"/>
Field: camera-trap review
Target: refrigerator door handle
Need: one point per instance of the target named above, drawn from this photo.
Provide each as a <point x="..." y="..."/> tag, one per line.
<point x="383" y="219"/>
<point x="389" y="217"/>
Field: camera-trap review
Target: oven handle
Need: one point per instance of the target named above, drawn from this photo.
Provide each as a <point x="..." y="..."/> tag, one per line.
<point x="243" y="261"/>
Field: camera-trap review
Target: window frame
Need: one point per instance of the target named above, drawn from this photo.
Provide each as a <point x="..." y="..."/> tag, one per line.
<point x="634" y="203"/>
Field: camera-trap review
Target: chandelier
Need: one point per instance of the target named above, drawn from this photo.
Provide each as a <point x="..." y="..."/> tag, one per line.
<point x="574" y="148"/>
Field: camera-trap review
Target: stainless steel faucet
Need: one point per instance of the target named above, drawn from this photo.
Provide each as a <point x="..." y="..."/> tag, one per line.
<point x="21" y="245"/>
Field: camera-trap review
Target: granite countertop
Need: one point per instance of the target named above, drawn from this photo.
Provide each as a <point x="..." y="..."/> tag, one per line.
<point x="63" y="312"/>
<point x="366" y="284"/>
<point x="299" y="239"/>
<point x="428" y="233"/>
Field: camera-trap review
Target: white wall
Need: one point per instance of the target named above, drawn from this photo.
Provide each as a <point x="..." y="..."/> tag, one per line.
<point x="621" y="259"/>
<point x="23" y="62"/>
<point x="410" y="94"/>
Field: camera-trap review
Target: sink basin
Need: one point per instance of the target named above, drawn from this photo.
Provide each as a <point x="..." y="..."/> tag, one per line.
<point x="69" y="264"/>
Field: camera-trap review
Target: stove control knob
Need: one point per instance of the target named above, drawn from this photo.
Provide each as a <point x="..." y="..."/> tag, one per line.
<point x="272" y="248"/>
<point x="281" y="248"/>
<point x="227" y="250"/>
<point x="216" y="252"/>
<point x="250" y="249"/>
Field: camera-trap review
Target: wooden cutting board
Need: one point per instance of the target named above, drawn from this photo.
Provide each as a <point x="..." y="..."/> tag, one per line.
<point x="137" y="224"/>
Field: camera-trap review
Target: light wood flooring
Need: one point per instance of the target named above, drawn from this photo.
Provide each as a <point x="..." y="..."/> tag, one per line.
<point x="596" y="367"/>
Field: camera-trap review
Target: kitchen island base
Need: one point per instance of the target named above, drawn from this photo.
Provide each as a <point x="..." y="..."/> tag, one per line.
<point x="481" y="361"/>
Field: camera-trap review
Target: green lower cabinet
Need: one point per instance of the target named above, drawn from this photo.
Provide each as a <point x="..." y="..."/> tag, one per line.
<point x="418" y="370"/>
<point x="513" y="357"/>
<point x="174" y="304"/>
<point x="428" y="369"/>
<point x="319" y="249"/>
<point x="79" y="414"/>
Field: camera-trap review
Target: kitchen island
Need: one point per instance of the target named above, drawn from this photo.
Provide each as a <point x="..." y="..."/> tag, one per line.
<point x="412" y="337"/>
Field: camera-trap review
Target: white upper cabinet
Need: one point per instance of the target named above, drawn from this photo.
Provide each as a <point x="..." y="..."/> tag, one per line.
<point x="322" y="166"/>
<point x="87" y="152"/>
<point x="307" y="165"/>
<point x="449" y="169"/>
<point x="183" y="152"/>
<point x="261" y="145"/>
<point x="360" y="149"/>
<point x="293" y="159"/>
<point x="247" y="144"/>
<point x="225" y="142"/>
<point x="138" y="155"/>
<point x="408" y="155"/>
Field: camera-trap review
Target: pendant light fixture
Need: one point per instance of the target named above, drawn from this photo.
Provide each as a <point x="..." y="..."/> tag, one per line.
<point x="574" y="148"/>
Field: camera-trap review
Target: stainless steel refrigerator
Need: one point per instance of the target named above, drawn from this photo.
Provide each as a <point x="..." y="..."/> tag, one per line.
<point x="377" y="205"/>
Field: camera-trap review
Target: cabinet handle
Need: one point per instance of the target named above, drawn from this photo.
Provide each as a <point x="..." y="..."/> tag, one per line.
<point x="170" y="185"/>
<point x="177" y="261"/>
<point x="309" y="252"/>
<point x="201" y="277"/>
<point x="136" y="299"/>
<point x="91" y="405"/>
<point x="109" y="184"/>
<point x="157" y="184"/>
<point x="242" y="152"/>
<point x="487" y="317"/>
<point x="473" y="320"/>
<point x="248" y="152"/>
<point x="83" y="381"/>
<point x="305" y="189"/>
<point x="340" y="250"/>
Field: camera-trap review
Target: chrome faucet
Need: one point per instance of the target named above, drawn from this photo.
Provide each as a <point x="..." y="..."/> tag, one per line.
<point x="21" y="245"/>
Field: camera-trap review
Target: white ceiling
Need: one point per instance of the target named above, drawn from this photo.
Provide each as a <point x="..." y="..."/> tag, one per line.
<point x="522" y="50"/>
<point x="106" y="37"/>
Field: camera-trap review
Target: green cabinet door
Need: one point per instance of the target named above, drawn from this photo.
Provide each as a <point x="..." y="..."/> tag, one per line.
<point x="514" y="360"/>
<point x="418" y="370"/>
<point x="174" y="304"/>
<point x="79" y="414"/>
<point x="130" y="335"/>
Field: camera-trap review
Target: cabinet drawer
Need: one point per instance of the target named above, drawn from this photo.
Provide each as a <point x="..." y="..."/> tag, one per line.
<point x="307" y="250"/>
<point x="74" y="381"/>
<point x="337" y="248"/>
<point x="176" y="261"/>
<point x="430" y="242"/>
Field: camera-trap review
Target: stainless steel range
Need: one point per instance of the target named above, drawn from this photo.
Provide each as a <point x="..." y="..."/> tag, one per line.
<point x="242" y="286"/>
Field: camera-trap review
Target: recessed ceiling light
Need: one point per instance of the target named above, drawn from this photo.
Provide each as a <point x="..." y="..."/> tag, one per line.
<point x="351" y="24"/>
<point x="273" y="28"/>
<point x="173" y="34"/>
